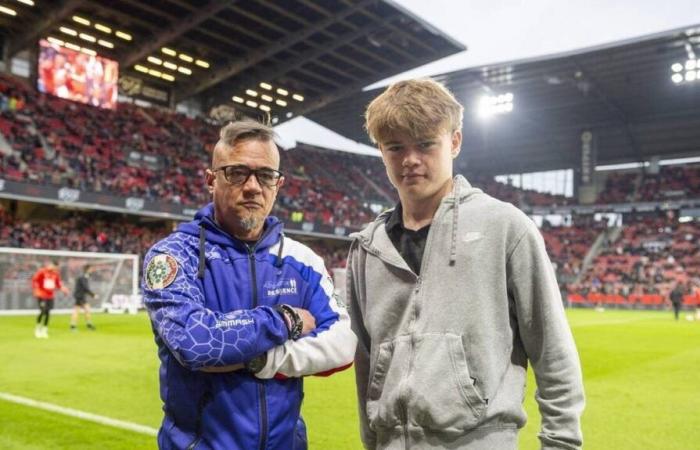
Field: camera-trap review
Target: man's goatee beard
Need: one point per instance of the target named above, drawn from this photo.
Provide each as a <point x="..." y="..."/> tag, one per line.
<point x="250" y="223"/>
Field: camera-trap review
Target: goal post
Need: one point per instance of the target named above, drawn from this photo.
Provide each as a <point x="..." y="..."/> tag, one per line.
<point x="114" y="279"/>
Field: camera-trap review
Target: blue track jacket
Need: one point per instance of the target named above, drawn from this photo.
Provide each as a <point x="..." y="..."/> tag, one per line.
<point x="222" y="313"/>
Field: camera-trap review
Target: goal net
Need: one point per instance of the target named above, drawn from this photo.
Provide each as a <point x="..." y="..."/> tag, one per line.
<point x="114" y="279"/>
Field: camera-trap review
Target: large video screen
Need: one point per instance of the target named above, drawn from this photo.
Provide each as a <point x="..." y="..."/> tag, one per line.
<point x="77" y="76"/>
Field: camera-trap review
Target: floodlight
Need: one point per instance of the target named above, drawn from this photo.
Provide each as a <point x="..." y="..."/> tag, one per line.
<point x="81" y="20"/>
<point x="68" y="31"/>
<point x="103" y="28"/>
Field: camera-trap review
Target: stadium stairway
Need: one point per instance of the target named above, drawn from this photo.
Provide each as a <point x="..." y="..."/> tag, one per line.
<point x="374" y="185"/>
<point x="609" y="235"/>
<point x="5" y="147"/>
<point x="49" y="150"/>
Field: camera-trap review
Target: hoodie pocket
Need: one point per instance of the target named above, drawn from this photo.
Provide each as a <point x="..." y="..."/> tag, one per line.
<point x="441" y="391"/>
<point x="383" y="392"/>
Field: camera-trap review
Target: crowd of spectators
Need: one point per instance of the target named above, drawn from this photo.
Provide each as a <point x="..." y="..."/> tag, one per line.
<point x="651" y="257"/>
<point x="79" y="233"/>
<point x="620" y="187"/>
<point x="84" y="232"/>
<point x="519" y="197"/>
<point x="670" y="182"/>
<point x="331" y="188"/>
<point x="159" y="155"/>
<point x="567" y="246"/>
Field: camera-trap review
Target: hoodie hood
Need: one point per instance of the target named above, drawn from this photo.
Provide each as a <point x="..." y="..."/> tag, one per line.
<point x="461" y="192"/>
<point x="204" y="219"/>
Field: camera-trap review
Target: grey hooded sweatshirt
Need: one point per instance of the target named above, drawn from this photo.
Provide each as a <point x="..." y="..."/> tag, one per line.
<point x="442" y="357"/>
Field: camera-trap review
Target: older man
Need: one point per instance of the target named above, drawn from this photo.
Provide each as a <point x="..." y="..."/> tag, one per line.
<point x="240" y="312"/>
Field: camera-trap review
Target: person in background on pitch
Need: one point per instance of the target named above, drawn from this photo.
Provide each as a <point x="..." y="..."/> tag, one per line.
<point x="452" y="295"/>
<point x="45" y="282"/>
<point x="241" y="312"/>
<point x="676" y="297"/>
<point x="80" y="293"/>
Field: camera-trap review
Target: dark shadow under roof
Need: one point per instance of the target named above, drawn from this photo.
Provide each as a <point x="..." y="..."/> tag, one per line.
<point x="622" y="93"/>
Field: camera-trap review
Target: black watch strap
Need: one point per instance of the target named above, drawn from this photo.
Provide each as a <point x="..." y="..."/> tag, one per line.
<point x="294" y="322"/>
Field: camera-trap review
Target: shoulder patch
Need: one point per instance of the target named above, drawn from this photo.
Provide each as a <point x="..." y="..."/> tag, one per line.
<point x="161" y="271"/>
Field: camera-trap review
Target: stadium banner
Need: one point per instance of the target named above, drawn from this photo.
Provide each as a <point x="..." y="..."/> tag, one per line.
<point x="588" y="158"/>
<point x="135" y="87"/>
<point x="58" y="195"/>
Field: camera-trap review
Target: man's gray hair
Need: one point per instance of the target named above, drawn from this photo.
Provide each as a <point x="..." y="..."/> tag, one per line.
<point x="241" y="130"/>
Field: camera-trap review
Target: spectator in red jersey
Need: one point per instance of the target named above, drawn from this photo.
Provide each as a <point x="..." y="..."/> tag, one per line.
<point x="45" y="282"/>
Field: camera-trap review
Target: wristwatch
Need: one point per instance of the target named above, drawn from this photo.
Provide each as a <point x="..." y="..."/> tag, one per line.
<point x="295" y="323"/>
<point x="256" y="364"/>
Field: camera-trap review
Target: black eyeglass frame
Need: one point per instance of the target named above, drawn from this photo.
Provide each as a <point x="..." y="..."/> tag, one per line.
<point x="250" y="172"/>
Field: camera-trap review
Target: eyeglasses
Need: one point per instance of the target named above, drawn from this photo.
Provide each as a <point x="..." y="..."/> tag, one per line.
<point x="239" y="174"/>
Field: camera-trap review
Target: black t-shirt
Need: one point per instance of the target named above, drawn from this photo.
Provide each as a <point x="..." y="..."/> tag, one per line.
<point x="409" y="243"/>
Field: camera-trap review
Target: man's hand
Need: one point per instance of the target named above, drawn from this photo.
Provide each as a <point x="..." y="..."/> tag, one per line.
<point x="308" y="320"/>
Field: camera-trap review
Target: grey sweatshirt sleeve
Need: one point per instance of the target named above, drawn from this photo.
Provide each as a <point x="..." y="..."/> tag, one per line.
<point x="548" y="341"/>
<point x="362" y="354"/>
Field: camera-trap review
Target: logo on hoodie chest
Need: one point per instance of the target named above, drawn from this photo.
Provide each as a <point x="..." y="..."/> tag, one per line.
<point x="285" y="286"/>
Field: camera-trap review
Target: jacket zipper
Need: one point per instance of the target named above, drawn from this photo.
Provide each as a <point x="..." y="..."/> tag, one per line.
<point x="206" y="398"/>
<point x="261" y="387"/>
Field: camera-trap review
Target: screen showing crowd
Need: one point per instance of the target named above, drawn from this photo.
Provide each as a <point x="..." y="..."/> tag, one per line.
<point x="77" y="76"/>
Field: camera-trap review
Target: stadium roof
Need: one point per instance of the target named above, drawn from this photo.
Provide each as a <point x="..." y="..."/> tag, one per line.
<point x="623" y="93"/>
<point x="320" y="50"/>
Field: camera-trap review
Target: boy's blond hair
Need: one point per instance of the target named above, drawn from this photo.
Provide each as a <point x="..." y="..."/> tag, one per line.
<point x="422" y="108"/>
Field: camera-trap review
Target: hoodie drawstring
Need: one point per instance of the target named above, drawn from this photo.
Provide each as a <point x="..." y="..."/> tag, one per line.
<point x="455" y="225"/>
<point x="278" y="263"/>
<point x="202" y="256"/>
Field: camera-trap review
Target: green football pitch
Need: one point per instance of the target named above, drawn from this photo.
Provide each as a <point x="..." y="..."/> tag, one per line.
<point x="641" y="372"/>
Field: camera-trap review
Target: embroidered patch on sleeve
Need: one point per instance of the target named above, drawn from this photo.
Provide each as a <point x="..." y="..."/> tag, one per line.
<point x="161" y="271"/>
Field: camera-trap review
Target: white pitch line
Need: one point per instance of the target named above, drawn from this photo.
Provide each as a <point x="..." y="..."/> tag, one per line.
<point x="102" y="420"/>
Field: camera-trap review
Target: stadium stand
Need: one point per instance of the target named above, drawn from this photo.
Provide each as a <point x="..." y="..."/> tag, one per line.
<point x="671" y="182"/>
<point x="88" y="154"/>
<point x="164" y="152"/>
<point x="79" y="232"/>
<point x="641" y="267"/>
<point x="620" y="187"/>
<point x="518" y="197"/>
